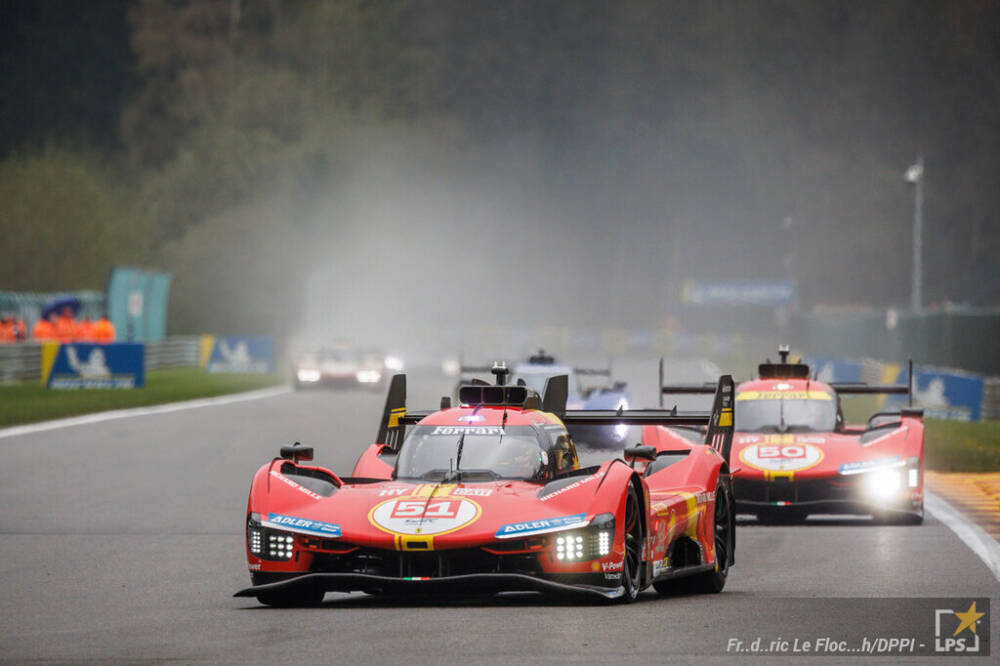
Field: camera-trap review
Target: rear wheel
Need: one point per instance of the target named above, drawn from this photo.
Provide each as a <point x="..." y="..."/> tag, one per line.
<point x="632" y="569"/>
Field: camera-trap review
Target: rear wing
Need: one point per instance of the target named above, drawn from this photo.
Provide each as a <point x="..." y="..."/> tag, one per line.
<point x="719" y="434"/>
<point x="705" y="388"/>
<point x="719" y="421"/>
<point x="862" y="388"/>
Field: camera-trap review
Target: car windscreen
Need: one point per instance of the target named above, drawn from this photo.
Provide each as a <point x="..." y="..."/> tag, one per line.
<point x="785" y="411"/>
<point x="432" y="453"/>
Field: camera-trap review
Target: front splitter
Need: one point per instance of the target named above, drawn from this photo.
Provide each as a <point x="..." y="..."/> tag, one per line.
<point x="468" y="584"/>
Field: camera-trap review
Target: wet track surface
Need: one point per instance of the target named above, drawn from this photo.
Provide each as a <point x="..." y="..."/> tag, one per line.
<point x="123" y="540"/>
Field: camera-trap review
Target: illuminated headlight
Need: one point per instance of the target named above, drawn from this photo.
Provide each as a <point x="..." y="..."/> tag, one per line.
<point x="591" y="543"/>
<point x="913" y="477"/>
<point x="393" y="363"/>
<point x="884" y="483"/>
<point x="268" y="543"/>
<point x="255" y="538"/>
<point x="368" y="376"/>
<point x="569" y="547"/>
<point x="279" y="546"/>
<point x="307" y="375"/>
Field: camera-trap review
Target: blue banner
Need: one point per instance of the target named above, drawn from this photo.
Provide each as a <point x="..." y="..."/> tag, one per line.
<point x="743" y="292"/>
<point x="944" y="394"/>
<point x="91" y="366"/>
<point x="238" y="354"/>
<point x="836" y="370"/>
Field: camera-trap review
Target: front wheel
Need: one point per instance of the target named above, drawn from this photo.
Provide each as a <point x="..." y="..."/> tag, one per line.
<point x="632" y="569"/>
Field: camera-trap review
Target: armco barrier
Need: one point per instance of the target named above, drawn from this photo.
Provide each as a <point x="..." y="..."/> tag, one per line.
<point x="23" y="361"/>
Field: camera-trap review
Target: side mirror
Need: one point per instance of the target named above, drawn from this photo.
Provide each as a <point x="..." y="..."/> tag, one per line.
<point x="446" y="402"/>
<point x="297" y="452"/>
<point x="641" y="453"/>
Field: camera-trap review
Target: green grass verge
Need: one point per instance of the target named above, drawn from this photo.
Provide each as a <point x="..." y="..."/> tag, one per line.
<point x="956" y="446"/>
<point x="29" y="402"/>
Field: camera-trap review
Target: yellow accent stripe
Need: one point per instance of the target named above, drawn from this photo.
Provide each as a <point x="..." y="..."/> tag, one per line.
<point x="416" y="542"/>
<point x="726" y="418"/>
<point x="889" y="373"/>
<point x="207" y="344"/>
<point x="49" y="352"/>
<point x="395" y="415"/>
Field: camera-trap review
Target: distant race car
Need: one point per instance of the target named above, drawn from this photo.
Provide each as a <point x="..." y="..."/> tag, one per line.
<point x="342" y="366"/>
<point x="537" y="368"/>
<point x="794" y="456"/>
<point x="490" y="497"/>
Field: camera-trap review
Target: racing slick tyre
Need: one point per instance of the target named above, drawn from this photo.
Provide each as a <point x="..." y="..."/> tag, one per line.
<point x="297" y="597"/>
<point x="724" y="527"/>
<point x="632" y="569"/>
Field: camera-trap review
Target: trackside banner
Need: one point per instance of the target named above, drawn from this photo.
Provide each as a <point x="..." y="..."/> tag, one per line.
<point x="237" y="354"/>
<point x="119" y="365"/>
<point x="944" y="393"/>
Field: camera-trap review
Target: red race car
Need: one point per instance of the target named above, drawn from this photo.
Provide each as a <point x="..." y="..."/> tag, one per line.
<point x="793" y="455"/>
<point x="489" y="496"/>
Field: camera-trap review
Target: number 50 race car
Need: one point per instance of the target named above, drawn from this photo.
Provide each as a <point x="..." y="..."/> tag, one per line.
<point x="793" y="455"/>
<point x="489" y="496"/>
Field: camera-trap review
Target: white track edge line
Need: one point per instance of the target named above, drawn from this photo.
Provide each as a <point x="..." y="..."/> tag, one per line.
<point x="98" y="417"/>
<point x="974" y="536"/>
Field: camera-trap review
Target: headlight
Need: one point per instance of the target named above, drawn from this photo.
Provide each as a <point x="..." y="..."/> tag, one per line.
<point x="587" y="544"/>
<point x="307" y="375"/>
<point x="368" y="376"/>
<point x="267" y="543"/>
<point x="883" y="484"/>
<point x="393" y="363"/>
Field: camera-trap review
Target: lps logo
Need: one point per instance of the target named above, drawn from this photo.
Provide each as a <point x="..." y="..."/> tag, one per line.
<point x="955" y="631"/>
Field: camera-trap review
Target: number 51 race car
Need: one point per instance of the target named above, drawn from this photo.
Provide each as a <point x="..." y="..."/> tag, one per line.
<point x="489" y="496"/>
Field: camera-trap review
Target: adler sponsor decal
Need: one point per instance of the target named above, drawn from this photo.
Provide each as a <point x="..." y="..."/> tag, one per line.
<point x="288" y="482"/>
<point x="295" y="524"/>
<point x="541" y="526"/>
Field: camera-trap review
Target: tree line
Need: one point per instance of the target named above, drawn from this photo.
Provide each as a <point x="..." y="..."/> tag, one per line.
<point x="242" y="143"/>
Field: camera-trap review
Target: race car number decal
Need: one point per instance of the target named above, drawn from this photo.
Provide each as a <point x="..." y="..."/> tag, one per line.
<point x="420" y="515"/>
<point x="434" y="509"/>
<point x="781" y="457"/>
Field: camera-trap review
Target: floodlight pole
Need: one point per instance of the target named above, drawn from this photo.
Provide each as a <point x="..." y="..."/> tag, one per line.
<point x="915" y="175"/>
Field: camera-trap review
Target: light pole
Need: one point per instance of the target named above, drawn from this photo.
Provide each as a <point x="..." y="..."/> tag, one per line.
<point x="915" y="175"/>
